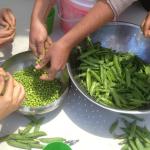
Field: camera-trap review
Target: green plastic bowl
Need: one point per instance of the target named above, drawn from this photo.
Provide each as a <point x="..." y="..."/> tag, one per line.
<point x="50" y="21"/>
<point x="57" y="146"/>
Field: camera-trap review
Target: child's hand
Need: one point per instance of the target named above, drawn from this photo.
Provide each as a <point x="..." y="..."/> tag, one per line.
<point x="7" y="23"/>
<point x="145" y="26"/>
<point x="7" y="19"/>
<point x="12" y="96"/>
<point x="57" y="55"/>
<point x="38" y="38"/>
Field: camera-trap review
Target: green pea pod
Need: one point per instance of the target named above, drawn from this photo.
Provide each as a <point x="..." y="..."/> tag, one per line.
<point x="133" y="117"/>
<point x="18" y="144"/>
<point x="95" y="75"/>
<point x="90" y="63"/>
<point x="139" y="145"/>
<point x="102" y="74"/>
<point x="38" y="124"/>
<point x="35" y="134"/>
<point x="128" y="77"/>
<point x="113" y="126"/>
<point x="28" y="141"/>
<point x="116" y="64"/>
<point x="89" y="42"/>
<point x="132" y="145"/>
<point x="93" y="87"/>
<point x="18" y="137"/>
<point x="49" y="140"/>
<point x="133" y="129"/>
<point x="27" y="129"/>
<point x="88" y="80"/>
<point x="86" y="54"/>
<point x="116" y="97"/>
<point x="37" y="146"/>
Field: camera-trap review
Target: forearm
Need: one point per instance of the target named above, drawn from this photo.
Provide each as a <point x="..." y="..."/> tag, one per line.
<point x="41" y="8"/>
<point x="99" y="15"/>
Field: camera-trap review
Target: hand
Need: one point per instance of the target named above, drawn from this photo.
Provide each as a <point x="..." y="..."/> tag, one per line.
<point x="38" y="38"/>
<point x="12" y="96"/>
<point x="57" y="55"/>
<point x="7" y="19"/>
<point x="8" y="23"/>
<point x="145" y="26"/>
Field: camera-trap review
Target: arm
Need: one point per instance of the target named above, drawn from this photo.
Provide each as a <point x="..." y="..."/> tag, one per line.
<point x="95" y="19"/>
<point x="38" y="33"/>
<point x="58" y="53"/>
<point x="41" y="9"/>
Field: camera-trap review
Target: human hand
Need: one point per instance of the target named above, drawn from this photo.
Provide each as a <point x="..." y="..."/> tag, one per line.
<point x="12" y="96"/>
<point x="38" y="38"/>
<point x="7" y="19"/>
<point x="57" y="55"/>
<point x="145" y="26"/>
<point x="7" y="23"/>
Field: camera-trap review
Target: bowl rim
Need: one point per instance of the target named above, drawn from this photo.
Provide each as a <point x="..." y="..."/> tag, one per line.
<point x="87" y="96"/>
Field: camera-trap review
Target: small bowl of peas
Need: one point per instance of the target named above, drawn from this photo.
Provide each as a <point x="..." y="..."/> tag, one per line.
<point x="40" y="96"/>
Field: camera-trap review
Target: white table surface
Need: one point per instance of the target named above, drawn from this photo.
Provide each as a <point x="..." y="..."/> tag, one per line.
<point x="77" y="118"/>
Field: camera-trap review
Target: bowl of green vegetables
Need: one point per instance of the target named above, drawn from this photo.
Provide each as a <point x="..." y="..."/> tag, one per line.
<point x="112" y="68"/>
<point x="40" y="96"/>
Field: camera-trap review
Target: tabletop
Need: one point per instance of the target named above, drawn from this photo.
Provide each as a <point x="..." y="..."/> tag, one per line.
<point x="77" y="118"/>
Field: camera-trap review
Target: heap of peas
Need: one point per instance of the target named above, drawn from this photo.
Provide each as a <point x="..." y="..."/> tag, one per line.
<point x="38" y="92"/>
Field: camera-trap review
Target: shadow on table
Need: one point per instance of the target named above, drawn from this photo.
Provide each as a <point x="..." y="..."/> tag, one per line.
<point x="89" y="116"/>
<point x="17" y="120"/>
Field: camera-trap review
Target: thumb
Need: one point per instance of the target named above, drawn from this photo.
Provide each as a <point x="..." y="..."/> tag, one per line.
<point x="42" y="63"/>
<point x="51" y="74"/>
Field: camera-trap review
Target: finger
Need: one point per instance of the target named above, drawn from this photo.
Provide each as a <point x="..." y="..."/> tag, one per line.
<point x="5" y="33"/>
<point x="146" y="26"/>
<point x="9" y="87"/>
<point x="2" y="84"/>
<point x="7" y="16"/>
<point x="12" y="18"/>
<point x="2" y="72"/>
<point x="49" y="40"/>
<point x="16" y="93"/>
<point x="7" y="39"/>
<point x="142" y="25"/>
<point x="22" y="94"/>
<point x="41" y="49"/>
<point x="51" y="74"/>
<point x="4" y="24"/>
<point x="47" y="44"/>
<point x="33" y="48"/>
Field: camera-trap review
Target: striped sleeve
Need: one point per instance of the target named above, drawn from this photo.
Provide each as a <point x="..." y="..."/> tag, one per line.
<point x="118" y="6"/>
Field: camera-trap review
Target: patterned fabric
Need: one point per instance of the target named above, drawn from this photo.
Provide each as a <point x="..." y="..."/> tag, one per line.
<point x="118" y="6"/>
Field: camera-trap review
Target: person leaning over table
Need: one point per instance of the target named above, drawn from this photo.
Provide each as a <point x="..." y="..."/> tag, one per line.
<point x="11" y="92"/>
<point x="58" y="52"/>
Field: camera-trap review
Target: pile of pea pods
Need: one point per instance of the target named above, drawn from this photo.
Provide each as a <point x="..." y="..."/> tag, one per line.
<point x="114" y="79"/>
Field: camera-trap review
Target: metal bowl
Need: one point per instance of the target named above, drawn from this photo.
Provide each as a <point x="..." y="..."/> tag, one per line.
<point x="119" y="36"/>
<point x="25" y="59"/>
